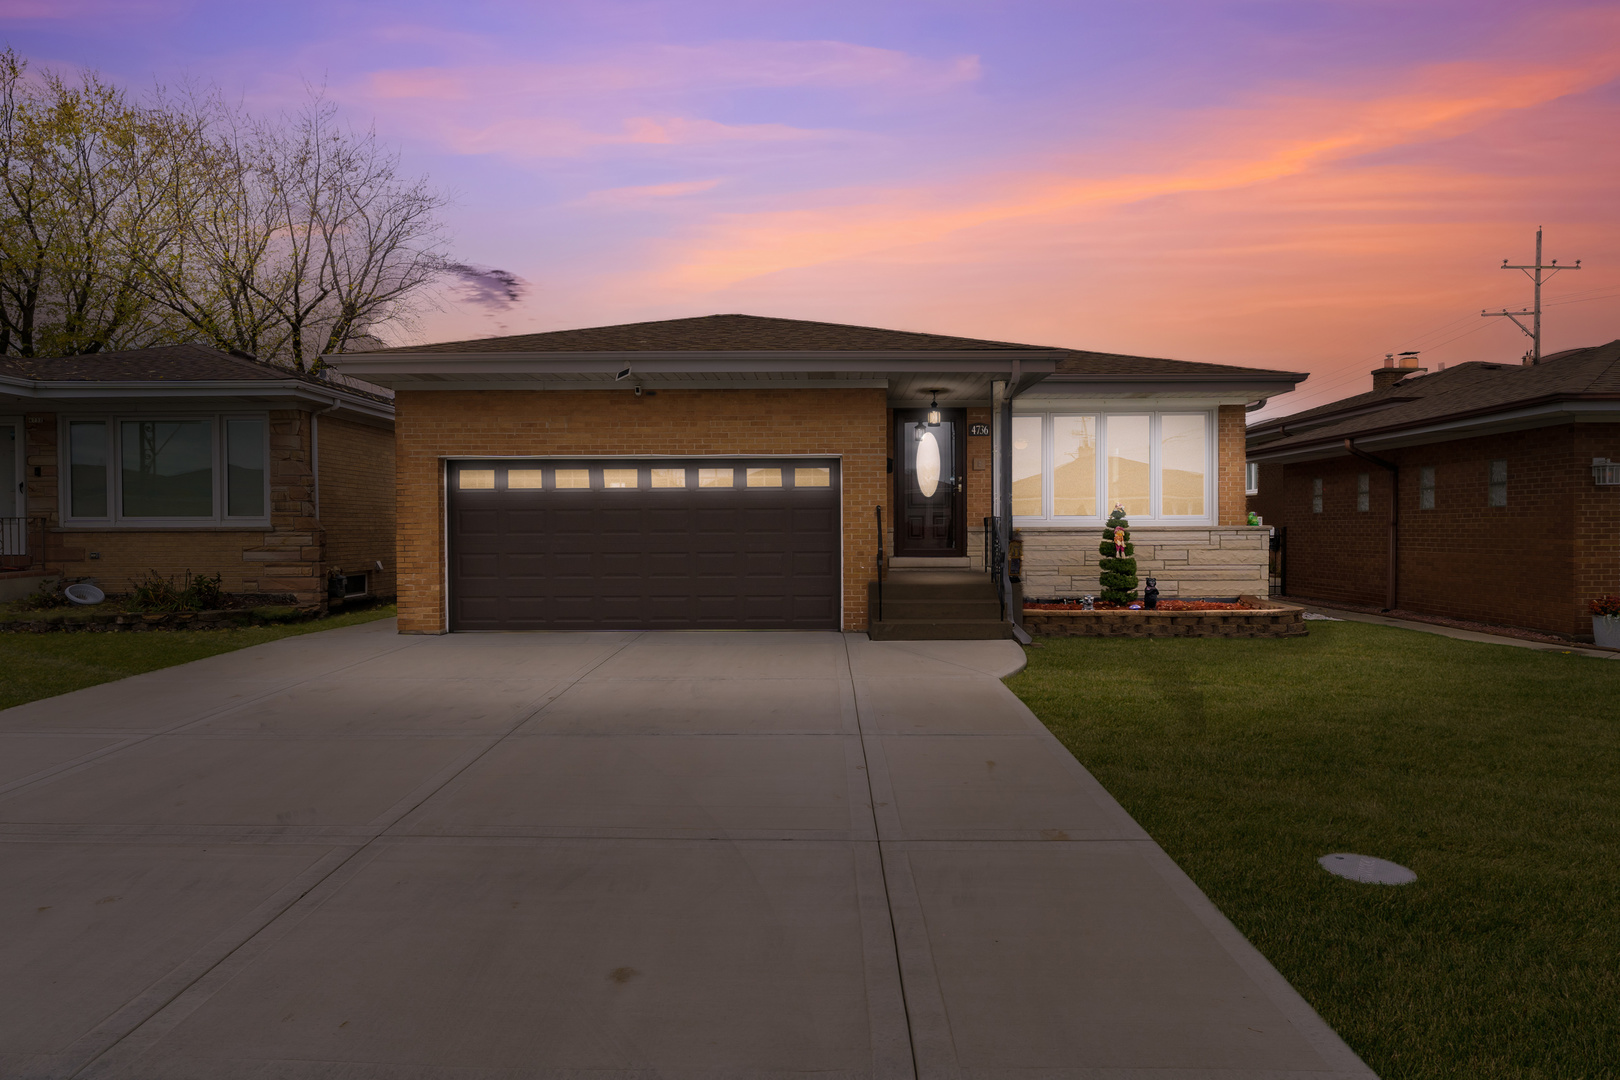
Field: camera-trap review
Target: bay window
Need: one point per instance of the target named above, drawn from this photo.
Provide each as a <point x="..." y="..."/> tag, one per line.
<point x="190" y="470"/>
<point x="1075" y="466"/>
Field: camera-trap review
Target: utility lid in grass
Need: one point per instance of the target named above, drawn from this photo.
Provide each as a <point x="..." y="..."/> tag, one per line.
<point x="1366" y="868"/>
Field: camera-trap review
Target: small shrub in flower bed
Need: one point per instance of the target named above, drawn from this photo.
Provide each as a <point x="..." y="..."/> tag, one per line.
<point x="1164" y="605"/>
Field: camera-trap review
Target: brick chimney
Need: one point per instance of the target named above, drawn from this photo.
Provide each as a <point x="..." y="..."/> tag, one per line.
<point x="1394" y="371"/>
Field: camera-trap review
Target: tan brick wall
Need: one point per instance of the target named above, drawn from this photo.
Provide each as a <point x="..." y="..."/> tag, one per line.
<point x="433" y="426"/>
<point x="127" y="555"/>
<point x="357" y="499"/>
<point x="1230" y="500"/>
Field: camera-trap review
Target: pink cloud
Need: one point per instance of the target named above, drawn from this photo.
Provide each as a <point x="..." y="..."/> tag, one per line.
<point x="1279" y="137"/>
<point x="629" y="196"/>
<point x="486" y="103"/>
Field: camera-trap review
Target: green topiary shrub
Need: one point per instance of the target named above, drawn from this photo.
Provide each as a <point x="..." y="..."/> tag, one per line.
<point x="1118" y="567"/>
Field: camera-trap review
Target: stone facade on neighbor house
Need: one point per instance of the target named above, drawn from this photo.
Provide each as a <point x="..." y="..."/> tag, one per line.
<point x="435" y="426"/>
<point x="1532" y="554"/>
<point x="302" y="534"/>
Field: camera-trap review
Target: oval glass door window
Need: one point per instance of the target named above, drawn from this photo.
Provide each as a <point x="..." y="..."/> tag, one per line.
<point x="928" y="465"/>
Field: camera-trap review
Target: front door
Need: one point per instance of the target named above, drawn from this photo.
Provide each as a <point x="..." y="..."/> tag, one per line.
<point x="931" y="516"/>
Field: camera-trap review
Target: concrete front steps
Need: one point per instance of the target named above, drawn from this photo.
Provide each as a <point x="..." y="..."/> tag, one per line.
<point x="937" y="605"/>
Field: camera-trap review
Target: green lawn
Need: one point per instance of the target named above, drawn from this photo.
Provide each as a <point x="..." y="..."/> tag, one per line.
<point x="1493" y="772"/>
<point x="44" y="665"/>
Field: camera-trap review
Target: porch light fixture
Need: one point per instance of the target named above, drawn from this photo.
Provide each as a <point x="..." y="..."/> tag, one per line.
<point x="933" y="408"/>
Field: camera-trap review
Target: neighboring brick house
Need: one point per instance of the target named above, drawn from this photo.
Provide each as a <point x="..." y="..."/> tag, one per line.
<point x="728" y="471"/>
<point x="1505" y="509"/>
<point x="188" y="459"/>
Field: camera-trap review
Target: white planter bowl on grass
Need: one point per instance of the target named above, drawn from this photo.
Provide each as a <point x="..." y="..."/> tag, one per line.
<point x="1606" y="631"/>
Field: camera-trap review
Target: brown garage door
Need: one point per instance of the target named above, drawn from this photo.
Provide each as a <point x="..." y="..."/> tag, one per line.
<point x="651" y="544"/>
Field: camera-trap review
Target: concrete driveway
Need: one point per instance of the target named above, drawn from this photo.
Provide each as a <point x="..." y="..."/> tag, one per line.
<point x="363" y="856"/>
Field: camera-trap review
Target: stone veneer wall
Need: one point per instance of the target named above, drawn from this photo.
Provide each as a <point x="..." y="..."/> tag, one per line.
<point x="1187" y="560"/>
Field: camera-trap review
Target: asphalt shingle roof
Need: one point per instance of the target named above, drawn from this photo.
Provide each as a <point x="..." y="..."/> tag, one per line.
<point x="1468" y="389"/>
<point x="715" y="333"/>
<point x="757" y="333"/>
<point x="165" y="363"/>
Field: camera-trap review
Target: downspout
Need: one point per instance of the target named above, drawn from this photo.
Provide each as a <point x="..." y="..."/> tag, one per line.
<point x="315" y="453"/>
<point x="1392" y="592"/>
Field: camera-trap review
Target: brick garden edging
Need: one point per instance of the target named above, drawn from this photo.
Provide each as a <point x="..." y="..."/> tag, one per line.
<point x="1264" y="618"/>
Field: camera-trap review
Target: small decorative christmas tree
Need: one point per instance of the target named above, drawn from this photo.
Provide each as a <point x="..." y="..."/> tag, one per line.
<point x="1118" y="566"/>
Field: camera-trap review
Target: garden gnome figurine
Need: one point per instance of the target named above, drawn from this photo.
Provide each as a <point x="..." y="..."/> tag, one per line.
<point x="1087" y="602"/>
<point x="1150" y="595"/>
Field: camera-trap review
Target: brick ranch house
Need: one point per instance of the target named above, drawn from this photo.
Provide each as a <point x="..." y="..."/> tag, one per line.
<point x="1490" y="484"/>
<point x="728" y="471"/>
<point x="185" y="458"/>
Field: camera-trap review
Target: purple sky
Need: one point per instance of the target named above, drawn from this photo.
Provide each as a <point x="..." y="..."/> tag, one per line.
<point x="1293" y="184"/>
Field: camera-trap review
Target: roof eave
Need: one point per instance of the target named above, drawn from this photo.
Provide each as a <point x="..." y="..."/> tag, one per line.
<point x="89" y="390"/>
<point x="1537" y="412"/>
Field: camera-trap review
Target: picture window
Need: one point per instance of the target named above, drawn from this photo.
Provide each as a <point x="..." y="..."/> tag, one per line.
<point x="154" y="470"/>
<point x="1074" y="467"/>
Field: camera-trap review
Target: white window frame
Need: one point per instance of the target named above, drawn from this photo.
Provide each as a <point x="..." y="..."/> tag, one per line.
<point x="115" y="516"/>
<point x="1251" y="478"/>
<point x="1155" y="495"/>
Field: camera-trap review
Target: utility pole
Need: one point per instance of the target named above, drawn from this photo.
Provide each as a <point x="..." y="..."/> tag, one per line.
<point x="1533" y="332"/>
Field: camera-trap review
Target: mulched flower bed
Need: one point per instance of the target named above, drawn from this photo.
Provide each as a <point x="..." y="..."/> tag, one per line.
<point x="1164" y="605"/>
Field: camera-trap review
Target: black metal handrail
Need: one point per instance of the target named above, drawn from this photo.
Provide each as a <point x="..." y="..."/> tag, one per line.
<point x="15" y="550"/>
<point x="879" y="510"/>
<point x="995" y="560"/>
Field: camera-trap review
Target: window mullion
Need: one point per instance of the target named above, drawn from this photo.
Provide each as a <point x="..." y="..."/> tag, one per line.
<point x="1048" y="464"/>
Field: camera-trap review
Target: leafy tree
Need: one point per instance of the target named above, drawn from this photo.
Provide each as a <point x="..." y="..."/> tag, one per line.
<point x="1118" y="564"/>
<point x="129" y="224"/>
<point x="78" y="170"/>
